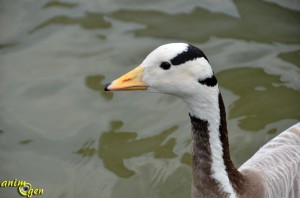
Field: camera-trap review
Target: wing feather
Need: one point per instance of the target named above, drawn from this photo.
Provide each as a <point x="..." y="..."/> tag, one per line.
<point x="278" y="164"/>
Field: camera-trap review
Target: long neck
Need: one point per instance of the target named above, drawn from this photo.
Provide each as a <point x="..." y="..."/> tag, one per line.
<point x="213" y="171"/>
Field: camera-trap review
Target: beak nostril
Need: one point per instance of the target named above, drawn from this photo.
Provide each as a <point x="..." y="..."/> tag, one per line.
<point x="127" y="79"/>
<point x="106" y="86"/>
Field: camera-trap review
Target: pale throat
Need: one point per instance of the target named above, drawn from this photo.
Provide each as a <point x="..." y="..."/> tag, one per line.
<point x="205" y="106"/>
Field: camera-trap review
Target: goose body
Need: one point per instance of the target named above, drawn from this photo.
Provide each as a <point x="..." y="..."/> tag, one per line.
<point x="183" y="70"/>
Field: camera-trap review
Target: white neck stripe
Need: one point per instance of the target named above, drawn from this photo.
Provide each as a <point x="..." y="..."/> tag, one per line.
<point x="211" y="113"/>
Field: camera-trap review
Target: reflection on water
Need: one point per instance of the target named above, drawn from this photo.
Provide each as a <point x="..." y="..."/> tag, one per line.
<point x="90" y="20"/>
<point x="155" y="183"/>
<point x="59" y="4"/>
<point x="201" y="24"/>
<point x="95" y="82"/>
<point x="87" y="149"/>
<point x="186" y="159"/>
<point x="292" y="57"/>
<point x="116" y="146"/>
<point x="24" y="142"/>
<point x="7" y="45"/>
<point x="263" y="97"/>
<point x="58" y="124"/>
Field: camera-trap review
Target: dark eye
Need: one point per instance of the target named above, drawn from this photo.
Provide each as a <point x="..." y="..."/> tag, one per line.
<point x="165" y="65"/>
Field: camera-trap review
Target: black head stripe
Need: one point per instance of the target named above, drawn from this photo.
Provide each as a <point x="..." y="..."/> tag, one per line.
<point x="189" y="54"/>
<point x="211" y="82"/>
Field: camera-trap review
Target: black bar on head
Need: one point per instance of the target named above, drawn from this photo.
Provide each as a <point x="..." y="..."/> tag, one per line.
<point x="189" y="54"/>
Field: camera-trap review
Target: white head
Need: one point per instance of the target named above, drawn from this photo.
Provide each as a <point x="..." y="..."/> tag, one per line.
<point x="177" y="68"/>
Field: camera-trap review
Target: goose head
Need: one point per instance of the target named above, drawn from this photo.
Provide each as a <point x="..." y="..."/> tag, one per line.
<point x="178" y="69"/>
<point x="183" y="70"/>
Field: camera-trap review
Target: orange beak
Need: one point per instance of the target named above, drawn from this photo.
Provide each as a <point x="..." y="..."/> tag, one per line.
<point x="130" y="81"/>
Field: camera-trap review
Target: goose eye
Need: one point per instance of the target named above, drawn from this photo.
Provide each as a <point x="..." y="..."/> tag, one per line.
<point x="165" y="65"/>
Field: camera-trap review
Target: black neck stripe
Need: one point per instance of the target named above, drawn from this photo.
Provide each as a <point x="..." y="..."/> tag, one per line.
<point x="189" y="54"/>
<point x="211" y="82"/>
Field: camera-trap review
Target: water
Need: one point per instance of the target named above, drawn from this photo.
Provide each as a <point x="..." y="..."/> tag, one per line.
<point x="61" y="132"/>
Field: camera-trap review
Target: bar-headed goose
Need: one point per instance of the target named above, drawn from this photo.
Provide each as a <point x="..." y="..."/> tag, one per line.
<point x="183" y="70"/>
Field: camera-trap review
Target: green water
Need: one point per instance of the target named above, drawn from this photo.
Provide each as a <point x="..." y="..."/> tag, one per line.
<point x="61" y="132"/>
